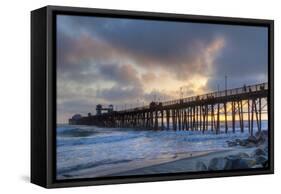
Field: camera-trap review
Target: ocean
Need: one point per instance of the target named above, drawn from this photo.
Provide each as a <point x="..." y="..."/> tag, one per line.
<point x="90" y="151"/>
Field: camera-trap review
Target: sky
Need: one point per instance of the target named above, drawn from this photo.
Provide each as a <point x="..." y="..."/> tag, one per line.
<point x="131" y="62"/>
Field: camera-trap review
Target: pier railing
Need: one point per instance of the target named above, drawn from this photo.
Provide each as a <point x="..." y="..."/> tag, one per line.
<point x="223" y="93"/>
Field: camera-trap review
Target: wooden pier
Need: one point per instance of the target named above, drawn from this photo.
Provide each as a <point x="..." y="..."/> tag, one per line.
<point x="218" y="112"/>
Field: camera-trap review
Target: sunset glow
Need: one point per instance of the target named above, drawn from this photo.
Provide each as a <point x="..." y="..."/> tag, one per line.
<point x="130" y="63"/>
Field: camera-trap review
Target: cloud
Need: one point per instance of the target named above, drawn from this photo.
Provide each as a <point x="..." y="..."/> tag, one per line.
<point x="151" y="43"/>
<point x="245" y="55"/>
<point x="121" y="94"/>
<point x="67" y="109"/>
<point x="157" y="95"/>
<point x="122" y="74"/>
<point x="106" y="60"/>
<point x="235" y="81"/>
<point x="148" y="77"/>
<point x="175" y="46"/>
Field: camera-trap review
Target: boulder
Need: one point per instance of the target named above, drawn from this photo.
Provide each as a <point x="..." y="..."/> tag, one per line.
<point x="249" y="161"/>
<point x="243" y="163"/>
<point x="265" y="164"/>
<point x="261" y="160"/>
<point x="200" y="166"/>
<point x="252" y="139"/>
<point x="258" y="152"/>
<point x="265" y="149"/>
<point x="230" y="163"/>
<point x="261" y="139"/>
<point x="236" y="162"/>
<point x="238" y="141"/>
<point x="263" y="133"/>
<point x="231" y="144"/>
<point x="262" y="136"/>
<point x="217" y="164"/>
<point x="244" y="142"/>
<point x="250" y="145"/>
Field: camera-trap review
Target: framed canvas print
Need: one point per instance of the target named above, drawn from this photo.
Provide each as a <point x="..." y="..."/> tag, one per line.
<point x="125" y="96"/>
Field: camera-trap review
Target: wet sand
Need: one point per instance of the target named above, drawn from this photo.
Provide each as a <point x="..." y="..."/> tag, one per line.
<point x="187" y="164"/>
<point x="181" y="162"/>
<point x="119" y="169"/>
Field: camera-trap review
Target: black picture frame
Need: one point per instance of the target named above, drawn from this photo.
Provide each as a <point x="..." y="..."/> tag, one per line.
<point x="43" y="95"/>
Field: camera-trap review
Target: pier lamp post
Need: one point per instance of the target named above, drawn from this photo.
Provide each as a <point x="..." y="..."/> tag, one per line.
<point x="181" y="93"/>
<point x="225" y="82"/>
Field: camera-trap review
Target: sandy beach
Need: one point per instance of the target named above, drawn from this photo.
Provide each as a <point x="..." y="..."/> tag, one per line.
<point x="128" y="167"/>
<point x="184" y="162"/>
<point x="187" y="164"/>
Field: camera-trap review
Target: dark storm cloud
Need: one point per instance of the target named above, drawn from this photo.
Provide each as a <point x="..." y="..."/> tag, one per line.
<point x="69" y="67"/>
<point x="118" y="93"/>
<point x="169" y="42"/>
<point x="75" y="55"/>
<point x="244" y="60"/>
<point x="122" y="74"/>
<point x="246" y="52"/>
<point x="66" y="109"/>
<point x="84" y="60"/>
<point x="180" y="47"/>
